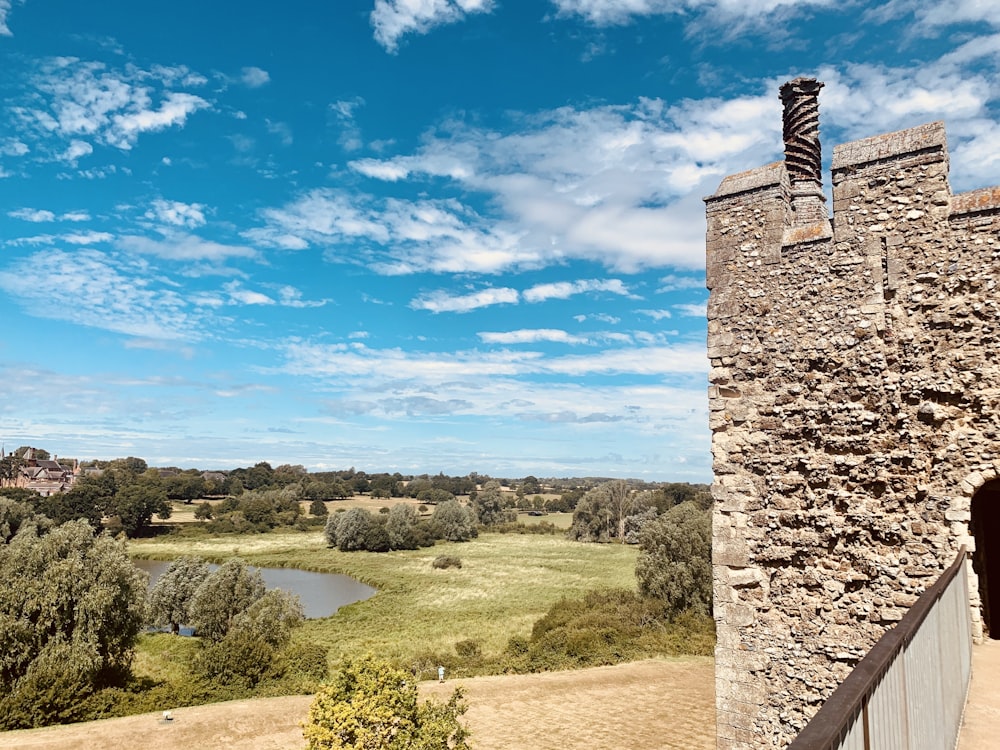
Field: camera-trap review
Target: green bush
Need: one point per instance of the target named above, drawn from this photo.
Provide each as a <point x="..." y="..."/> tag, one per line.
<point x="469" y="649"/>
<point x="309" y="659"/>
<point x="608" y="627"/>
<point x="372" y="704"/>
<point x="446" y="561"/>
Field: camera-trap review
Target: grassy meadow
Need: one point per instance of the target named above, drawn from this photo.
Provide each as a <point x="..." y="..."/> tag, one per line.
<point x="505" y="584"/>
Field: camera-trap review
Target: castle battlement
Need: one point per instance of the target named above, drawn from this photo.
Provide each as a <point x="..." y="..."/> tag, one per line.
<point x="854" y="403"/>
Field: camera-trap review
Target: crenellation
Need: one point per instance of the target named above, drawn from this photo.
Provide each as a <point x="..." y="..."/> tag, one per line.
<point x="854" y="413"/>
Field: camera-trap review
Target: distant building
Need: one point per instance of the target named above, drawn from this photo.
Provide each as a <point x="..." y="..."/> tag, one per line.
<point x="44" y="476"/>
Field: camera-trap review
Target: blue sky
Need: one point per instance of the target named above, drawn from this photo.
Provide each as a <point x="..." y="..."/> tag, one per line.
<point x="413" y="235"/>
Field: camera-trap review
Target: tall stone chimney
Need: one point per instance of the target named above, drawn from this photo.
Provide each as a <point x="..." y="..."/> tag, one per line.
<point x="803" y="158"/>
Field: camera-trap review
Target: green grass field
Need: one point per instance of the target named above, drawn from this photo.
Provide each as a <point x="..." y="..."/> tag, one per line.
<point x="506" y="582"/>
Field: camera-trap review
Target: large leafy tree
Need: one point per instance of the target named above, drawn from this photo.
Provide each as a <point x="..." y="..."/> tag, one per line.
<point x="135" y="503"/>
<point x="454" y="521"/>
<point x="255" y="636"/>
<point x="171" y="597"/>
<point x="489" y="506"/>
<point x="371" y="704"/>
<point x="602" y="513"/>
<point x="71" y="607"/>
<point x="675" y="561"/>
<point x="222" y="596"/>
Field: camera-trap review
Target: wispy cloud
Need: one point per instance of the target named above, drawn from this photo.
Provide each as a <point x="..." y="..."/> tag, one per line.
<point x="721" y="12"/>
<point x="254" y="77"/>
<point x="180" y="246"/>
<point x="530" y="336"/>
<point x="567" y="289"/>
<point x="344" y="113"/>
<point x="699" y="310"/>
<point x="4" y="11"/>
<point x="393" y="19"/>
<point x="94" y="289"/>
<point x="438" y="302"/>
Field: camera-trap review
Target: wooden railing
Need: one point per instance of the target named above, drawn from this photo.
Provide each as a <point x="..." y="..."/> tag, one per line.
<point x="909" y="692"/>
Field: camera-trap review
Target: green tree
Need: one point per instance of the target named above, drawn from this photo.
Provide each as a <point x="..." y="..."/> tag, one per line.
<point x="371" y="705"/>
<point x="601" y="513"/>
<point x="71" y="608"/>
<point x="675" y="559"/>
<point x="454" y="521"/>
<point x="401" y="526"/>
<point x="318" y="508"/>
<point x="136" y="503"/>
<point x="222" y="596"/>
<point x="15" y="515"/>
<point x="489" y="506"/>
<point x="348" y="531"/>
<point x="257" y="634"/>
<point x="203" y="511"/>
<point x="171" y="596"/>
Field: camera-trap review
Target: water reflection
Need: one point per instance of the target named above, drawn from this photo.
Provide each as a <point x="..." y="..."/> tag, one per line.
<point x="322" y="594"/>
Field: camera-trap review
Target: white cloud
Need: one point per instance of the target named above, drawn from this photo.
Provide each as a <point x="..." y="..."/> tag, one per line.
<point x="344" y="112"/>
<point x="689" y="310"/>
<point x="87" y="238"/>
<point x="13" y="147"/>
<point x="719" y="12"/>
<point x="280" y="129"/>
<point x="567" y="289"/>
<point x="656" y="314"/>
<point x="239" y="295"/>
<point x="177" y="214"/>
<point x="98" y="290"/>
<point x="530" y="336"/>
<point x="4" y="10"/>
<point x="616" y="185"/>
<point x="932" y="15"/>
<point x="438" y="302"/>
<point x="392" y="19"/>
<point x="32" y="214"/>
<point x="254" y="77"/>
<point x="75" y="216"/>
<point x="289" y="296"/>
<point x="180" y="246"/>
<point x="114" y="107"/>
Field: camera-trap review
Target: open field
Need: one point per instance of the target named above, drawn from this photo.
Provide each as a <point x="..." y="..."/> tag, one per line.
<point x="659" y="704"/>
<point x="183" y="513"/>
<point x="506" y="582"/>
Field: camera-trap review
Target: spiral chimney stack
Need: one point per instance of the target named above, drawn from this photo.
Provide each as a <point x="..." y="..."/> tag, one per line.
<point x="803" y="157"/>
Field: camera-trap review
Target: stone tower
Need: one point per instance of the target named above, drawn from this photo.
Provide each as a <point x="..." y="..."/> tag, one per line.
<point x="855" y="409"/>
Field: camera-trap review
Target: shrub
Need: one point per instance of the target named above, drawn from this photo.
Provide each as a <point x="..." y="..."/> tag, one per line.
<point x="446" y="561"/>
<point x="318" y="508"/>
<point x="371" y="704"/>
<point x="469" y="649"/>
<point x="308" y="658"/>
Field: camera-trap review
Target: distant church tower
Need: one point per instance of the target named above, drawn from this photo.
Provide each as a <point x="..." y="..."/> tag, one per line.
<point x="855" y="409"/>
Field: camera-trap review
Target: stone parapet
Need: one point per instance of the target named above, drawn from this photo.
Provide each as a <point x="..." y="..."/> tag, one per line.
<point x="853" y="414"/>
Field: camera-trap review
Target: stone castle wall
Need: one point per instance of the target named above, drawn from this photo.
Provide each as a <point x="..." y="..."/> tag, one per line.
<point x="855" y="408"/>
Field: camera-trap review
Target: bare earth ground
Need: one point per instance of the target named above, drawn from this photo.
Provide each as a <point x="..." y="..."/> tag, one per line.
<point x="648" y="705"/>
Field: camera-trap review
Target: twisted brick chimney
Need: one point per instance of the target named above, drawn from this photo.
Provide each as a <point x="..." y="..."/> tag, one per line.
<point x="803" y="158"/>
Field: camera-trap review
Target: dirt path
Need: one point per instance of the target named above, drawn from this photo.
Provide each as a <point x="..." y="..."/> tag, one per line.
<point x="648" y="705"/>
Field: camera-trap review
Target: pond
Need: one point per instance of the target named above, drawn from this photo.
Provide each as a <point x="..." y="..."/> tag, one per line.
<point x="322" y="594"/>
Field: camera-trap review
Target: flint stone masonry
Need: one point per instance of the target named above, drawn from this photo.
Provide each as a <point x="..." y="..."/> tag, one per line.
<point x="855" y="409"/>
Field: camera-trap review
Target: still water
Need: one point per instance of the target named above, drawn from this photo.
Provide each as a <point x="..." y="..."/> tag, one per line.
<point x="322" y="594"/>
